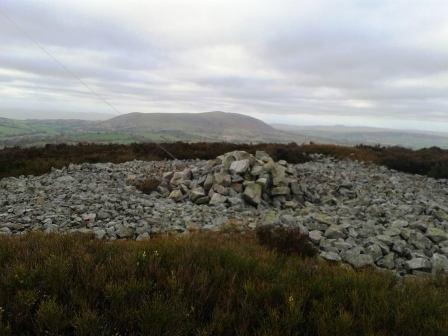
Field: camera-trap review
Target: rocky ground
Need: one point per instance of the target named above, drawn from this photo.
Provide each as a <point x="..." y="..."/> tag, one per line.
<point x="357" y="213"/>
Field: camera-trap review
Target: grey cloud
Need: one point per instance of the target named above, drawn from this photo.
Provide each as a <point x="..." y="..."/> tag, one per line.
<point x="346" y="58"/>
<point x="53" y="25"/>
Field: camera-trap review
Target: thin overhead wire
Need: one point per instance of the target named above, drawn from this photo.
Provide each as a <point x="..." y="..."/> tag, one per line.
<point x="67" y="70"/>
<point x="166" y="151"/>
<point x="71" y="73"/>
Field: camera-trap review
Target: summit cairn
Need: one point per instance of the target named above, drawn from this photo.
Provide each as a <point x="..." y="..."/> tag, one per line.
<point x="236" y="178"/>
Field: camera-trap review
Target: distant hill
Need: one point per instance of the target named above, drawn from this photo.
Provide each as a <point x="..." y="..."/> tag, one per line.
<point x="209" y="126"/>
<point x="137" y="127"/>
<point x="345" y="135"/>
<point x="195" y="127"/>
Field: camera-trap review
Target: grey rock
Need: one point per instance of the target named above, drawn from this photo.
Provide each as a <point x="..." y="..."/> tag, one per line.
<point x="208" y="183"/>
<point x="401" y="248"/>
<point x="277" y="191"/>
<point x="226" y="160"/>
<point x="202" y="200"/>
<point x="271" y="217"/>
<point x="342" y="245"/>
<point x="392" y="232"/>
<point x="399" y="223"/>
<point x="324" y="219"/>
<point x="262" y="155"/>
<point x="290" y="205"/>
<point x="124" y="232"/>
<point x="196" y="194"/>
<point x="89" y="217"/>
<point x="356" y="259"/>
<point x="100" y="233"/>
<point x="256" y="170"/>
<point x="5" y="231"/>
<point x="143" y="236"/>
<point x="223" y="179"/>
<point x="418" y="264"/>
<point x="252" y="193"/>
<point x="295" y="188"/>
<point x="331" y="256"/>
<point x="176" y="195"/>
<point x="239" y="167"/>
<point x="168" y="176"/>
<point x="436" y="235"/>
<point x="388" y="261"/>
<point x="374" y="251"/>
<point x="278" y="175"/>
<point x="418" y="225"/>
<point x="443" y="243"/>
<point x="217" y="199"/>
<point x="102" y="214"/>
<point x="67" y="179"/>
<point x="439" y="263"/>
<point x="178" y="178"/>
<point x="420" y="242"/>
<point x="303" y="229"/>
<point x="385" y="239"/>
<point x="334" y="232"/>
<point x="288" y="219"/>
<point x="263" y="181"/>
<point x="441" y="215"/>
<point x="82" y="231"/>
<point x="220" y="189"/>
<point x="406" y="233"/>
<point x="235" y="201"/>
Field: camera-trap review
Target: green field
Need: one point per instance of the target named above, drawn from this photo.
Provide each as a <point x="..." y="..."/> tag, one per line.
<point x="202" y="127"/>
<point x="107" y="137"/>
<point x="11" y="128"/>
<point x="42" y="132"/>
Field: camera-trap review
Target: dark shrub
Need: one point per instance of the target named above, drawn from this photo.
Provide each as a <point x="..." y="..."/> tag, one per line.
<point x="285" y="240"/>
<point x="39" y="160"/>
<point x="290" y="153"/>
<point x="148" y="185"/>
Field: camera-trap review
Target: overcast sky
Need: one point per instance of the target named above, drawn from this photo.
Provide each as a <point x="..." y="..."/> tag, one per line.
<point x="353" y="62"/>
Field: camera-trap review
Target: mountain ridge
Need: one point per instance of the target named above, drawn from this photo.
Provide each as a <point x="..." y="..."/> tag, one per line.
<point x="170" y="120"/>
<point x="214" y="125"/>
<point x="140" y="127"/>
<point x="355" y="135"/>
<point x="202" y="127"/>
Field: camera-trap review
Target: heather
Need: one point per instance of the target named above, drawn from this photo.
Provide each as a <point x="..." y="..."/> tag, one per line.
<point x="17" y="161"/>
<point x="207" y="284"/>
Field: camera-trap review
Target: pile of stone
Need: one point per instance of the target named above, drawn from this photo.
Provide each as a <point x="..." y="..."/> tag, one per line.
<point x="360" y="214"/>
<point x="236" y="177"/>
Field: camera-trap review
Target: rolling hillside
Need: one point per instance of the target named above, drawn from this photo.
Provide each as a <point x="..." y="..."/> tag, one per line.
<point x="137" y="127"/>
<point x="208" y="126"/>
<point x="197" y="127"/>
<point x="344" y="135"/>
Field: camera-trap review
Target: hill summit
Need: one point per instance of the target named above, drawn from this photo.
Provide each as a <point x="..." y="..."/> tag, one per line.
<point x="208" y="125"/>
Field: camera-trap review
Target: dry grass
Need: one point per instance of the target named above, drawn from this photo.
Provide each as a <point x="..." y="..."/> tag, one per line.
<point x="289" y="241"/>
<point x="148" y="185"/>
<point x="201" y="285"/>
